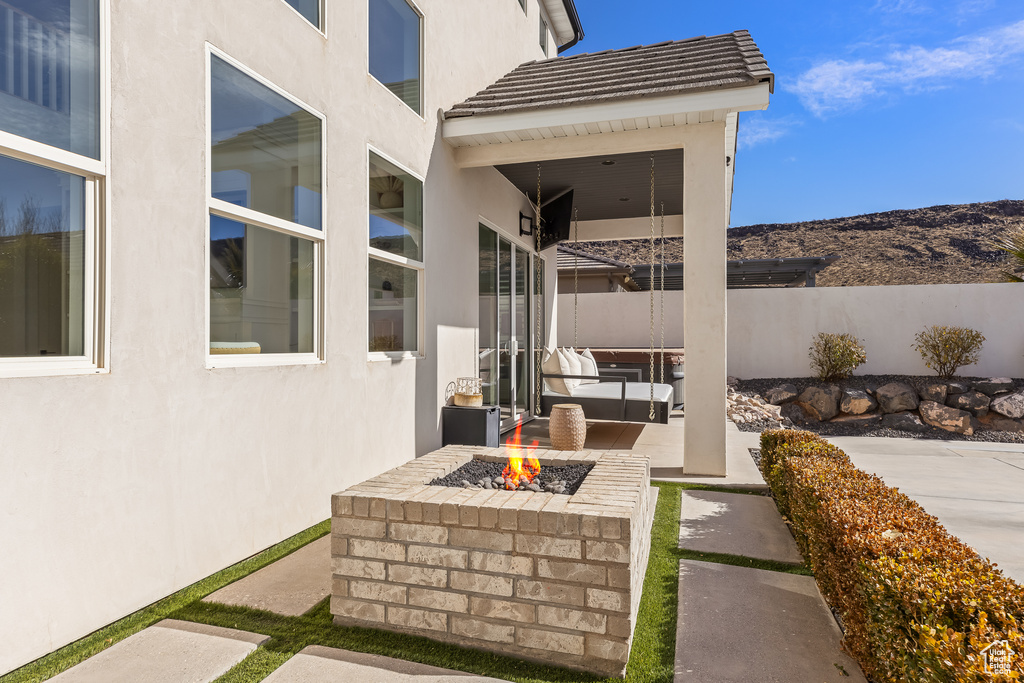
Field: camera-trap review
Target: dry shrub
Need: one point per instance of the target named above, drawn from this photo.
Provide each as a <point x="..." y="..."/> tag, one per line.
<point x="945" y="349"/>
<point x="917" y="603"/>
<point x="835" y="356"/>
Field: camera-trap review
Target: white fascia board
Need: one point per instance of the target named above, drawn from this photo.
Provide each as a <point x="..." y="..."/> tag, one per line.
<point x="732" y="99"/>
<point x="560" y="22"/>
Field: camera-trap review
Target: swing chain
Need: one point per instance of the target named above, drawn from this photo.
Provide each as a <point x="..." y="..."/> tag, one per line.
<point x="651" y="412"/>
<point x="576" y="278"/>
<point x="538" y="342"/>
<point x="662" y="292"/>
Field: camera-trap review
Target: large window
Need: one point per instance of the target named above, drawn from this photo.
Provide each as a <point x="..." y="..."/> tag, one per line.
<point x="51" y="176"/>
<point x="396" y="258"/>
<point x="395" y="31"/>
<point x="310" y="9"/>
<point x="266" y="221"/>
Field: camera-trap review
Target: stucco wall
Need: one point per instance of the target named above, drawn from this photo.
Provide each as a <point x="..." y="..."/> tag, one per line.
<point x="770" y="330"/>
<point x="121" y="488"/>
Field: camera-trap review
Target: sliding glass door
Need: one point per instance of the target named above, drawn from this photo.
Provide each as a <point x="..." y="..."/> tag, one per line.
<point x="507" y="327"/>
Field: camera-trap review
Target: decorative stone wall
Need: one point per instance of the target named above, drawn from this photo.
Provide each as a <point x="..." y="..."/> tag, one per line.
<point x="540" y="576"/>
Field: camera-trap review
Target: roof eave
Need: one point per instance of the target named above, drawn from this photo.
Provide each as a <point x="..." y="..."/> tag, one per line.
<point x="565" y="22"/>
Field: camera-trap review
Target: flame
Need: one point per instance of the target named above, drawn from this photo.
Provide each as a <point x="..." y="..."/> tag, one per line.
<point x="517" y="467"/>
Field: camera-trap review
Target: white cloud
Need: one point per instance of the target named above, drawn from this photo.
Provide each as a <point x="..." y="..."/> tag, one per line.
<point x="839" y="85"/>
<point x="902" y="7"/>
<point x="754" y="131"/>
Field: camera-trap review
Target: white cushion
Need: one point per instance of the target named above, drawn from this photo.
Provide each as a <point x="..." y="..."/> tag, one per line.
<point x="552" y="366"/>
<point x="588" y="366"/>
<point x="635" y="391"/>
<point x="570" y="365"/>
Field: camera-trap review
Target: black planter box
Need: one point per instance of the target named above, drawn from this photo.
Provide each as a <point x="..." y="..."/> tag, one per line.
<point x="470" y="426"/>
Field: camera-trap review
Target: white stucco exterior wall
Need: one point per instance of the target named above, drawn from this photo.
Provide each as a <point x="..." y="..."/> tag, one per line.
<point x="121" y="488"/>
<point x="770" y="330"/>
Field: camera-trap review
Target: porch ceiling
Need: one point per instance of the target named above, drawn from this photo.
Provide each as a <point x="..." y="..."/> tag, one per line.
<point x="599" y="187"/>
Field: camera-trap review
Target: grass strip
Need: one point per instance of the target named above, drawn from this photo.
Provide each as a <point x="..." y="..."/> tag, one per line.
<point x="255" y="667"/>
<point x="712" y="487"/>
<point x="80" y="650"/>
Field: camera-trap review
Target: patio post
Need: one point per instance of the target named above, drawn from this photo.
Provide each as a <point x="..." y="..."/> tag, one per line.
<point x="705" y="217"/>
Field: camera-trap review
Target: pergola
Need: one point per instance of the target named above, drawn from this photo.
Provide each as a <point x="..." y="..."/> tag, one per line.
<point x="679" y="100"/>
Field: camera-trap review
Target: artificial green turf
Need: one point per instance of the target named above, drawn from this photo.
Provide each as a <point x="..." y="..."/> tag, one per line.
<point x="652" y="656"/>
<point x="69" y="655"/>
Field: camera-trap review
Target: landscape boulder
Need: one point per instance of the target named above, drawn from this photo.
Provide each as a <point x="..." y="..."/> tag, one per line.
<point x="866" y="420"/>
<point x="997" y="423"/>
<point x="1011" y="405"/>
<point x="795" y="413"/>
<point x="896" y="397"/>
<point x="957" y="388"/>
<point x="995" y="385"/>
<point x="974" y="402"/>
<point x="904" y="422"/>
<point x="821" y="403"/>
<point x="781" y="394"/>
<point x="933" y="392"/>
<point x="945" y="417"/>
<point x="856" y="402"/>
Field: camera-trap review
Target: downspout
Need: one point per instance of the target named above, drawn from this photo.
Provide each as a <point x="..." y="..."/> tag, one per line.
<point x="577" y="28"/>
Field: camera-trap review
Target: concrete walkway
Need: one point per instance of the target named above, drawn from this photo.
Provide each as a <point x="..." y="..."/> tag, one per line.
<point x="975" y="489"/>
<point x="316" y="664"/>
<point x="168" y="652"/>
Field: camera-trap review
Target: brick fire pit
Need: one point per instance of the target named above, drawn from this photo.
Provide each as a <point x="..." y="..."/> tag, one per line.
<point x="540" y="576"/>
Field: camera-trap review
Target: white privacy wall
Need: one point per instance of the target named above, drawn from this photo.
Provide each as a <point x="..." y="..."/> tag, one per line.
<point x="770" y="330"/>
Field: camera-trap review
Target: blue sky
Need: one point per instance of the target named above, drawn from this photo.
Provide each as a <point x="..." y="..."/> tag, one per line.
<point x="878" y="104"/>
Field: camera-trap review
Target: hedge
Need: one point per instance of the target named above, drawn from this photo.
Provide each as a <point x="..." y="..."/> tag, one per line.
<point x="917" y="603"/>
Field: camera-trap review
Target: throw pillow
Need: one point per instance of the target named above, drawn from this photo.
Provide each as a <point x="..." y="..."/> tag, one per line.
<point x="553" y="366"/>
<point x="570" y="366"/>
<point x="588" y="366"/>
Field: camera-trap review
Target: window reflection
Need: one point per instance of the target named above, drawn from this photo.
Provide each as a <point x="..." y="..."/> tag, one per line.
<point x="395" y="49"/>
<point x="396" y="210"/>
<point x="307" y="8"/>
<point x="393" y="307"/>
<point x="49" y="72"/>
<point x="266" y="149"/>
<point x="42" y="261"/>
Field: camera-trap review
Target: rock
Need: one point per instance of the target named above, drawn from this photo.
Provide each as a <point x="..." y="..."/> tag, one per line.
<point x="732" y="381"/>
<point x="466" y="484"/>
<point x="958" y="387"/>
<point x="904" y="422"/>
<point x="499" y="480"/>
<point x="781" y="394"/>
<point x="821" y="403"/>
<point x="994" y="385"/>
<point x="858" y="420"/>
<point x="997" y="423"/>
<point x="1011" y="405"/>
<point x="974" y="402"/>
<point x="896" y="397"/>
<point x="933" y="392"/>
<point x="794" y="413"/>
<point x="871" y="388"/>
<point x="945" y="417"/>
<point x="856" y="402"/>
<point x="534" y="488"/>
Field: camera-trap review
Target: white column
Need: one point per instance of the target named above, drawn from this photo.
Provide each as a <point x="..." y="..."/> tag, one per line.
<point x="704" y="302"/>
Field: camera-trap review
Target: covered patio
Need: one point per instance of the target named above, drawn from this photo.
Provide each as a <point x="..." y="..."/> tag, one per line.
<point x="596" y="123"/>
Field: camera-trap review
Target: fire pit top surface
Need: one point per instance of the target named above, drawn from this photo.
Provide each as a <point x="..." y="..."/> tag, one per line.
<point x="613" y="488"/>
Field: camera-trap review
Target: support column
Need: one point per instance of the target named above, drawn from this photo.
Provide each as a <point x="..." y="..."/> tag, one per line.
<point x="704" y="300"/>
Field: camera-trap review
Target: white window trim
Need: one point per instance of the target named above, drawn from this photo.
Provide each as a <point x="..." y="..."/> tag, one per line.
<point x="261" y="220"/>
<point x="421" y="114"/>
<point x="96" y="289"/>
<point x="319" y="29"/>
<point x="412" y="264"/>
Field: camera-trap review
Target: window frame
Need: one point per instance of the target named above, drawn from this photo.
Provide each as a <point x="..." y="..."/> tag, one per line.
<point x="394" y="259"/>
<point x="422" y="70"/>
<point x="522" y="3"/>
<point x="224" y="209"/>
<point x="544" y="30"/>
<point x="96" y="252"/>
<point x="323" y="6"/>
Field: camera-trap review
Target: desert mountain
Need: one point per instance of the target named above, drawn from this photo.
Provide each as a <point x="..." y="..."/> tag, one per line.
<point x="935" y="245"/>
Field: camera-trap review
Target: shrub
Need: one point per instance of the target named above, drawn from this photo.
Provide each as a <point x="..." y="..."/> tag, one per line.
<point x="917" y="603"/>
<point x="946" y="349"/>
<point x="835" y="356"/>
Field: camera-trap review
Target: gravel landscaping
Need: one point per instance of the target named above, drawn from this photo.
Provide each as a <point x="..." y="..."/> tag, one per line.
<point x="870" y="383"/>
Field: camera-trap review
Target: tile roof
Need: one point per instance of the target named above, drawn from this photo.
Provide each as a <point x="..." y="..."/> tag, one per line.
<point x="694" y="65"/>
<point x="567" y="259"/>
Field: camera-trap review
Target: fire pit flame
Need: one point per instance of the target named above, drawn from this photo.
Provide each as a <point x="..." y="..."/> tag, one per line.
<point x="518" y="467"/>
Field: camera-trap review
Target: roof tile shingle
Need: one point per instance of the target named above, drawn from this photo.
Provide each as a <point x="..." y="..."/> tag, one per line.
<point x="693" y="65"/>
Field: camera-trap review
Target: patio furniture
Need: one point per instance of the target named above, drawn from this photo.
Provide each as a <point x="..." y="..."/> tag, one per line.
<point x="626" y="402"/>
<point x="567" y="427"/>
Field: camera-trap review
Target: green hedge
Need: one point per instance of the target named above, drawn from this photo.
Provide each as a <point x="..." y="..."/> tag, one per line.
<point x="917" y="603"/>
